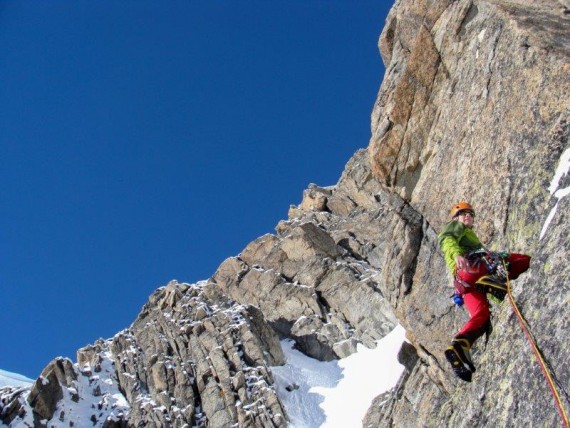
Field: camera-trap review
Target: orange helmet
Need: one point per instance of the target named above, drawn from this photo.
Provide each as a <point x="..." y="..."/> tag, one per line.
<point x="461" y="206"/>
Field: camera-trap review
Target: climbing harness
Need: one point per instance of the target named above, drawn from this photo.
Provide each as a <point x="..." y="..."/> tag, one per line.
<point x="543" y="364"/>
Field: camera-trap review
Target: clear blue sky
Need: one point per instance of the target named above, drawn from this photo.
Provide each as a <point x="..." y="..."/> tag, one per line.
<point x="143" y="141"/>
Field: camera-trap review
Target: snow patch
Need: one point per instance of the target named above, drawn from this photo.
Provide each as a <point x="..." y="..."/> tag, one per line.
<point x="562" y="170"/>
<point x="315" y="393"/>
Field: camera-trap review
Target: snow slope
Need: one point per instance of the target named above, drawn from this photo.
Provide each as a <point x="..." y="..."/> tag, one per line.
<point x="337" y="393"/>
<point x="14" y="379"/>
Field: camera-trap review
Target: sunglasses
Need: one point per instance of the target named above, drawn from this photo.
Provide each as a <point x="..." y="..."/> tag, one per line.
<point x="465" y="212"/>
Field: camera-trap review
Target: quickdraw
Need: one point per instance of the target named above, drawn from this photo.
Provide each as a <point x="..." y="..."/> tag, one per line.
<point x="496" y="264"/>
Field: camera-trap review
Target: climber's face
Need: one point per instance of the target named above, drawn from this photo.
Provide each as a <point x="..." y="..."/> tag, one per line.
<point x="466" y="217"/>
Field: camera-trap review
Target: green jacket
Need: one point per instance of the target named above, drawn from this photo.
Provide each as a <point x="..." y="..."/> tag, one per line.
<point x="455" y="240"/>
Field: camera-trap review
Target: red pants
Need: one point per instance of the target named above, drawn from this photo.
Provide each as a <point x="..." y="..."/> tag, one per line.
<point x="478" y="307"/>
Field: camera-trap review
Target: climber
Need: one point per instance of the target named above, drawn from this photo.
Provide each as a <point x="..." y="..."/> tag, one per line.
<point x="476" y="272"/>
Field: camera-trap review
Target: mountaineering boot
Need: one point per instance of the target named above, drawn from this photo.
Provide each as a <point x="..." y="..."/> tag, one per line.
<point x="493" y="285"/>
<point x="457" y="365"/>
<point x="459" y="357"/>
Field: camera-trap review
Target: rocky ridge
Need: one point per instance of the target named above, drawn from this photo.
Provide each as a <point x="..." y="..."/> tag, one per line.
<point x="474" y="105"/>
<point x="200" y="354"/>
<point x="188" y="360"/>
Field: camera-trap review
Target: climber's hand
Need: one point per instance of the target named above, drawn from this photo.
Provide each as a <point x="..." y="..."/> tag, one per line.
<point x="461" y="262"/>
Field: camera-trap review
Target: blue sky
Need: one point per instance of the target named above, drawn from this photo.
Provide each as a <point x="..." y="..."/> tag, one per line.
<point x="144" y="141"/>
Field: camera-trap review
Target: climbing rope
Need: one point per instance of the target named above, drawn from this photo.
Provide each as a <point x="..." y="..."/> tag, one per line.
<point x="543" y="364"/>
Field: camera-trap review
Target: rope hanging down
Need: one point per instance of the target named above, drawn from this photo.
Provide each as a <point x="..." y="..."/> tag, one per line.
<point x="543" y="365"/>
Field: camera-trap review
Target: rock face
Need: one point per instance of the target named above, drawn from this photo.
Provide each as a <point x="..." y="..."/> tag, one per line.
<point x="475" y="105"/>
